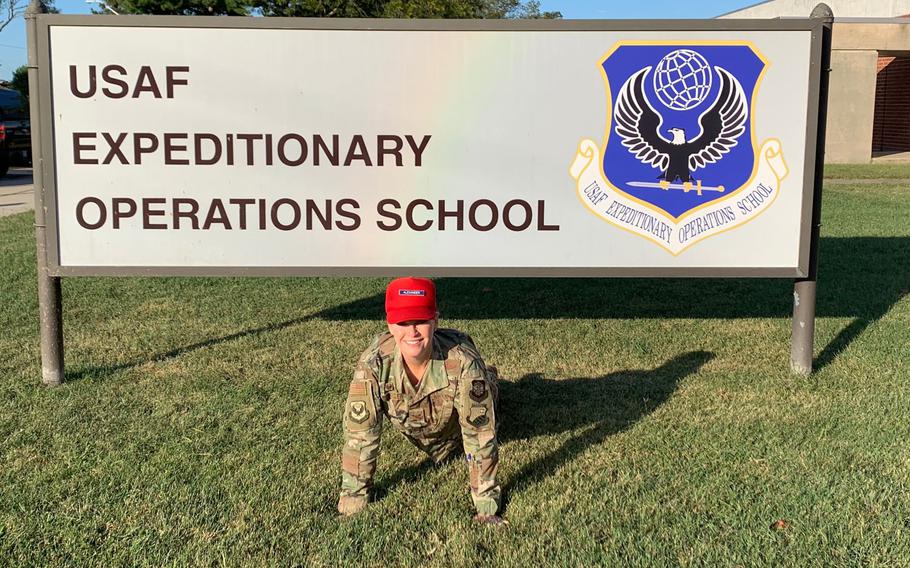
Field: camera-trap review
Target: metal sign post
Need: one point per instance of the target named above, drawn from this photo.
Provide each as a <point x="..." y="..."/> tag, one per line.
<point x="802" y="340"/>
<point x="50" y="305"/>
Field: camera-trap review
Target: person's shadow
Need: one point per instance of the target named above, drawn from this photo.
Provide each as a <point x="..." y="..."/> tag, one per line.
<point x="596" y="408"/>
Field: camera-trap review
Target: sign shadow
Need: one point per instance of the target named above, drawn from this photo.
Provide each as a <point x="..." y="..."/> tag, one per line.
<point x="78" y="373"/>
<point x="859" y="277"/>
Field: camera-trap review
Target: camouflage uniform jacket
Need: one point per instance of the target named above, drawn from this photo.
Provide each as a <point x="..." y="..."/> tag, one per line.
<point x="453" y="403"/>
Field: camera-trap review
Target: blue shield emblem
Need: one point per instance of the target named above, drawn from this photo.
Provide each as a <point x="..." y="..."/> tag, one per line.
<point x="680" y="134"/>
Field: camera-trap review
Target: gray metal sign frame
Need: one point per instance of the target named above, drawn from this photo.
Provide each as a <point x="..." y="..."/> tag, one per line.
<point x="49" y="271"/>
<point x="47" y="155"/>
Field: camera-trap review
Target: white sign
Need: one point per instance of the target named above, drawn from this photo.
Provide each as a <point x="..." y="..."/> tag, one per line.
<point x="486" y="152"/>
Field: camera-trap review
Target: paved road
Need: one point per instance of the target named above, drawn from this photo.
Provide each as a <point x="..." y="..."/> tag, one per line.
<point x="16" y="192"/>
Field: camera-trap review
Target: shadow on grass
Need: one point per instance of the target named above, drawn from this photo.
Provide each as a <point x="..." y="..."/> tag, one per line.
<point x="92" y="372"/>
<point x="600" y="407"/>
<point x="859" y="277"/>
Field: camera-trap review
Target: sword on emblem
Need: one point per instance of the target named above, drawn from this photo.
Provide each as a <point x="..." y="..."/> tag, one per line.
<point x="697" y="187"/>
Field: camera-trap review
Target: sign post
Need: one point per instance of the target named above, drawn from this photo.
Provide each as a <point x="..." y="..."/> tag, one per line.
<point x="50" y="305"/>
<point x="803" y="334"/>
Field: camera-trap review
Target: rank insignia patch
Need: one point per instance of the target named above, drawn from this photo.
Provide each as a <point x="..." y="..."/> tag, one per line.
<point x="679" y="161"/>
<point x="359" y="412"/>
<point x="478" y="390"/>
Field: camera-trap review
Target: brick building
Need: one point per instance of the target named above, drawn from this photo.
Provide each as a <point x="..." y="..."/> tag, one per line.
<point x="869" y="94"/>
<point x="891" y="123"/>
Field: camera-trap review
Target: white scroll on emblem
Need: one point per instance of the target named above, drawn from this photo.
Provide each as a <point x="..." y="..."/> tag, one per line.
<point x="677" y="234"/>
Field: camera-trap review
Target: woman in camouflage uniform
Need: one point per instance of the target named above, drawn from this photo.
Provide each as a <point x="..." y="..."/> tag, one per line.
<point x="433" y="386"/>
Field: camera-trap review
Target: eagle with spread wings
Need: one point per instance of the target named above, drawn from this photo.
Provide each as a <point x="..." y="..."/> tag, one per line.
<point x="639" y="127"/>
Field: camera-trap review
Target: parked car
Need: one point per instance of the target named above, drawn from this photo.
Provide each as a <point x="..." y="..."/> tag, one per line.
<point x="15" y="131"/>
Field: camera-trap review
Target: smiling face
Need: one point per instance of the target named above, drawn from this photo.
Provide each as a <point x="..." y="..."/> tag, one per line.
<point x="414" y="339"/>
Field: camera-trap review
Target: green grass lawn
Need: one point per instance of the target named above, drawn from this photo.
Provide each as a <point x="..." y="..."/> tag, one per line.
<point x="644" y="422"/>
<point x="895" y="170"/>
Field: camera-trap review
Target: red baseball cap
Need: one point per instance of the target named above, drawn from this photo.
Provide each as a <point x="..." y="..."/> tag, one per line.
<point x="410" y="299"/>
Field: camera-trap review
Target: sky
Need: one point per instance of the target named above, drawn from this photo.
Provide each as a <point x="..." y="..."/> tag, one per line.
<point x="13" y="52"/>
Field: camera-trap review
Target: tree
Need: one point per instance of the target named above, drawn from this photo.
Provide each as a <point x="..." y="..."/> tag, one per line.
<point x="20" y="80"/>
<point x="338" y="8"/>
<point x="531" y="11"/>
<point x="404" y="8"/>
<point x="12" y="9"/>
<point x="180" y="7"/>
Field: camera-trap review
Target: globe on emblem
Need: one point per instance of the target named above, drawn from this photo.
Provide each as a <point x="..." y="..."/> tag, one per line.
<point x="682" y="79"/>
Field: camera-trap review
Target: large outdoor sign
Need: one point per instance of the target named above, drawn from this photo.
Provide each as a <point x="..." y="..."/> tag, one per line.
<point x="272" y="146"/>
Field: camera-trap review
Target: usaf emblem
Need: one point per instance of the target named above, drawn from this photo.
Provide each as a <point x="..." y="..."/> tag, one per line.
<point x="679" y="161"/>
<point x="359" y="412"/>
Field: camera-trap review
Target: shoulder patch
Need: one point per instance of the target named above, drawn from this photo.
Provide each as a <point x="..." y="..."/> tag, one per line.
<point x="359" y="413"/>
<point x="360" y="409"/>
<point x="478" y="416"/>
<point x="478" y="392"/>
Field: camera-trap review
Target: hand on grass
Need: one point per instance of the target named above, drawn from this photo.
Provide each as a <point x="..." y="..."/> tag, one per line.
<point x="492" y="520"/>
<point x="347" y="506"/>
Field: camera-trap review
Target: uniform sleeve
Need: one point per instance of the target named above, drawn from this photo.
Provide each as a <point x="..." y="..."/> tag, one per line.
<point x="362" y="423"/>
<point x="475" y="403"/>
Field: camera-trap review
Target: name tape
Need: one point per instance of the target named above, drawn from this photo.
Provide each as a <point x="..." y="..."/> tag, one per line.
<point x="412" y="292"/>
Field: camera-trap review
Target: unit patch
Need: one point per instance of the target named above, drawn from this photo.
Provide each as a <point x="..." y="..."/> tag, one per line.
<point x="359" y="412"/>
<point x="478" y="390"/>
<point x="478" y="416"/>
